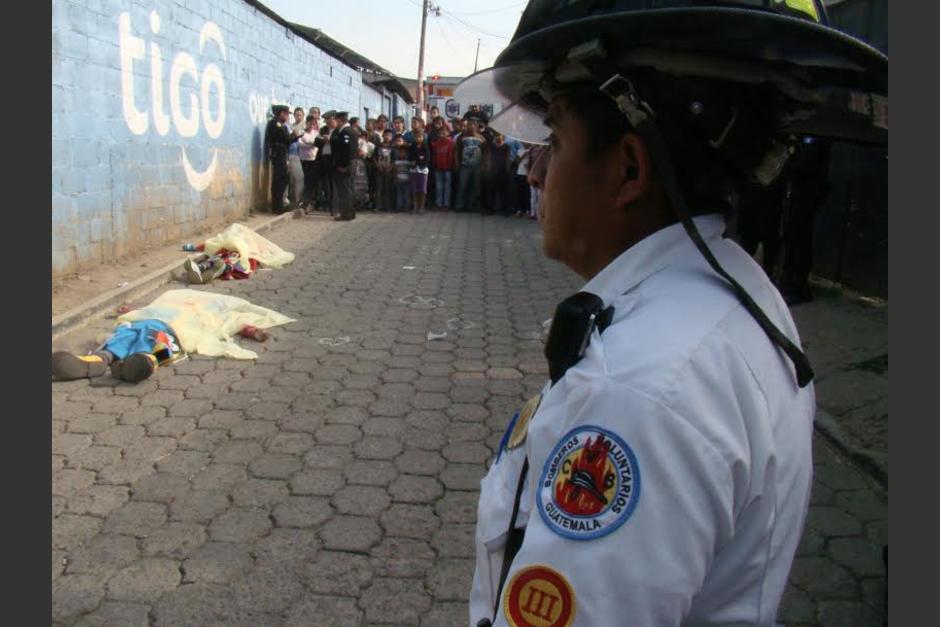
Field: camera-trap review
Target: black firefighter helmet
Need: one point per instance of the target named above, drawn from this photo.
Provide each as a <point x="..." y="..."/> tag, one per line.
<point x="810" y="78"/>
<point x="746" y="76"/>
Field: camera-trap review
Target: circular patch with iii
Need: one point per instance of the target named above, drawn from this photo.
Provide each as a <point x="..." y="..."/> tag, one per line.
<point x="538" y="596"/>
<point x="590" y="484"/>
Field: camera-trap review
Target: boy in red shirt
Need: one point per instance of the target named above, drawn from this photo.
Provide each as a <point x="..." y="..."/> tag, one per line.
<point x="444" y="162"/>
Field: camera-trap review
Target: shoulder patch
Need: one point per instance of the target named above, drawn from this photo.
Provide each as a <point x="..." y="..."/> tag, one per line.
<point x="590" y="484"/>
<point x="539" y="596"/>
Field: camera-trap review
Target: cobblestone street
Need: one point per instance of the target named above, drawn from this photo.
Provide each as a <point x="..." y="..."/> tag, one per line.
<point x="334" y="480"/>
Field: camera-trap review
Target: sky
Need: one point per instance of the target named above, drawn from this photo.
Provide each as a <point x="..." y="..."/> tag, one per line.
<point x="388" y="31"/>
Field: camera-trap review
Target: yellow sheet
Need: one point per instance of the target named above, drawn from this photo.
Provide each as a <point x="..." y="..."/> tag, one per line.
<point x="205" y="322"/>
<point x="249" y="245"/>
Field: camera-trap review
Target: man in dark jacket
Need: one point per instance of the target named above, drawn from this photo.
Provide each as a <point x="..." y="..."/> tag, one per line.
<point x="277" y="138"/>
<point x="807" y="178"/>
<point x="344" y="145"/>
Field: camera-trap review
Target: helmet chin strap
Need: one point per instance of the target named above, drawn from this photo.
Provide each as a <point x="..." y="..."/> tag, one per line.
<point x="641" y="118"/>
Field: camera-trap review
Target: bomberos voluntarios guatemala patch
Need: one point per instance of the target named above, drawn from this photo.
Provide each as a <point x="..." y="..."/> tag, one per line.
<point x="590" y="484"/>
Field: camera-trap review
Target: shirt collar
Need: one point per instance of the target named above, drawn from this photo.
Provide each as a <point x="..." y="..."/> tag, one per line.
<point x="649" y="256"/>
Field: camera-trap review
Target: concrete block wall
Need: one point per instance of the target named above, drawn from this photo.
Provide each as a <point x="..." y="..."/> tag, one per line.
<point x="370" y="103"/>
<point x="158" y="116"/>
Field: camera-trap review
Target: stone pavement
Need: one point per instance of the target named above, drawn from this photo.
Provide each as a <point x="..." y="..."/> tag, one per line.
<point x="334" y="480"/>
<point x="847" y="342"/>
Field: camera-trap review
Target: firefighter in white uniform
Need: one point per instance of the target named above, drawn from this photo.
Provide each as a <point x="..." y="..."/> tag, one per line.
<point x="663" y="475"/>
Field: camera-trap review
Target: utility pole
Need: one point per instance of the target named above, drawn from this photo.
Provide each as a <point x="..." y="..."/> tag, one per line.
<point x="477" y="60"/>
<point x="424" y="22"/>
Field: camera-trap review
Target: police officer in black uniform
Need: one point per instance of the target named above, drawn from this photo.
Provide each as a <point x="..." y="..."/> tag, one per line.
<point x="277" y="137"/>
<point x="807" y="181"/>
<point x="344" y="144"/>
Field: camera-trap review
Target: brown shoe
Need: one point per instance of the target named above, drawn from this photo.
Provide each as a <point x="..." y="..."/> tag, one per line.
<point x="68" y="366"/>
<point x="134" y="368"/>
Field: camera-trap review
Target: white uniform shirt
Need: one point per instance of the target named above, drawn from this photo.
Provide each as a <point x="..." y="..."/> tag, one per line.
<point x="670" y="469"/>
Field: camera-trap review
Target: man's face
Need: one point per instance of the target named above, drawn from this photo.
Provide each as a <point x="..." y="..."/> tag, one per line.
<point x="416" y="124"/>
<point x="331" y="123"/>
<point x="298" y="116"/>
<point x="399" y="126"/>
<point x="283" y="116"/>
<point x="575" y="188"/>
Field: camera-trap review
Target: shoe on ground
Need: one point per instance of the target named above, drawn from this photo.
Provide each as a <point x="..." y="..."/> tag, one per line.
<point x="134" y="368"/>
<point x="68" y="366"/>
<point x="193" y="273"/>
<point x="217" y="270"/>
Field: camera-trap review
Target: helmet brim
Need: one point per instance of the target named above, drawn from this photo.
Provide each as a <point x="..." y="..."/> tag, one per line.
<point x="831" y="57"/>
<point x="849" y="76"/>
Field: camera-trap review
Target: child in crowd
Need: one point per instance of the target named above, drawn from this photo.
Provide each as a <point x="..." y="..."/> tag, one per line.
<point x="385" y="173"/>
<point x="534" y="153"/>
<point x="442" y="158"/>
<point x="417" y="124"/>
<point x="375" y="137"/>
<point x="381" y="125"/>
<point x="308" y="154"/>
<point x="498" y="175"/>
<point x="470" y="146"/>
<point x="402" y="174"/>
<point x="398" y="125"/>
<point x="522" y="195"/>
<point x="420" y="158"/>
<point x="360" y="174"/>
<point x="324" y="192"/>
<point x="436" y="113"/>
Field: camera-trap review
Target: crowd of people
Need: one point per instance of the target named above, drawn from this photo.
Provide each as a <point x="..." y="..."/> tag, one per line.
<point x="335" y="163"/>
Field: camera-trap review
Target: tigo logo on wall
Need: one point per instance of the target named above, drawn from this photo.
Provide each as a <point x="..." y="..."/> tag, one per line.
<point x="185" y="116"/>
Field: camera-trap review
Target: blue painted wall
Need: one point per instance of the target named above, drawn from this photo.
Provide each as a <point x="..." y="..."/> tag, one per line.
<point x="370" y="103"/>
<point x="158" y="115"/>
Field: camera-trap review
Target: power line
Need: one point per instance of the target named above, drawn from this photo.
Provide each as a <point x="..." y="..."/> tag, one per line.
<point x="440" y="28"/>
<point x="451" y="16"/>
<point x="514" y="6"/>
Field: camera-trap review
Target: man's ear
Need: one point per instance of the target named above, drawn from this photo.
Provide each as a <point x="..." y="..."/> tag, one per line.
<point x="634" y="170"/>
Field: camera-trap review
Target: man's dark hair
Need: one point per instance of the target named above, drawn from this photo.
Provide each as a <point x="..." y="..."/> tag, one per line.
<point x="354" y="120"/>
<point x="301" y="109"/>
<point x="398" y="118"/>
